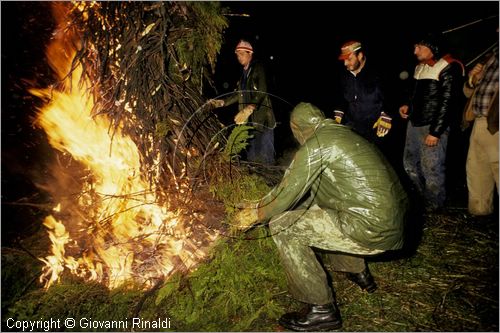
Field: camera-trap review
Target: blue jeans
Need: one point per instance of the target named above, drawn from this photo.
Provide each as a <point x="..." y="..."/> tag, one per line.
<point x="261" y="147"/>
<point x="425" y="165"/>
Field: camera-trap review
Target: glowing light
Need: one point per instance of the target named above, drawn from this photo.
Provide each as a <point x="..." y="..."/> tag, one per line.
<point x="115" y="232"/>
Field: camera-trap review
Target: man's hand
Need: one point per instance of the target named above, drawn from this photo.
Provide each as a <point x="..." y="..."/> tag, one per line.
<point x="383" y="124"/>
<point x="338" y="116"/>
<point x="243" y="115"/>
<point x="216" y="103"/>
<point x="431" y="141"/>
<point x="245" y="218"/>
<point x="476" y="74"/>
<point x="403" y="111"/>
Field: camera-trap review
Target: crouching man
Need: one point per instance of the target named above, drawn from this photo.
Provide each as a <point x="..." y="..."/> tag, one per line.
<point x="339" y="194"/>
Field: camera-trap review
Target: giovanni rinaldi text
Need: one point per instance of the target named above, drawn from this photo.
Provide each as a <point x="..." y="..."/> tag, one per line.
<point x="51" y="324"/>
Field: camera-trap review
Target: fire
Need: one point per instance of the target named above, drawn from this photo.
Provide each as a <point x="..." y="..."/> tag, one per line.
<point x="113" y="230"/>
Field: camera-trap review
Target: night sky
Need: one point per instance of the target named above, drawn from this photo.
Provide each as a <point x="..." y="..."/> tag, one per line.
<point x="304" y="38"/>
<point x="298" y="42"/>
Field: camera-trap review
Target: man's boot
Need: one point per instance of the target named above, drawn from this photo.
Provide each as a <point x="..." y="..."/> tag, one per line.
<point x="314" y="318"/>
<point x="364" y="280"/>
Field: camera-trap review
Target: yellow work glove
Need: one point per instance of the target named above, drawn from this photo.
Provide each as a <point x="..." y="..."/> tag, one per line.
<point x="243" y="115"/>
<point x="216" y="103"/>
<point x="338" y="116"/>
<point x="383" y="124"/>
<point x="245" y="218"/>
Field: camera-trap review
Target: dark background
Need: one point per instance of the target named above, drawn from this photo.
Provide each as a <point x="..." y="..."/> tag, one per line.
<point x="26" y="28"/>
<point x="298" y="42"/>
<point x="304" y="38"/>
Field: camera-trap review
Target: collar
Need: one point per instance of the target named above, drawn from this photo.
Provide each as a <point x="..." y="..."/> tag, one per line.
<point x="430" y="62"/>
<point x="250" y="65"/>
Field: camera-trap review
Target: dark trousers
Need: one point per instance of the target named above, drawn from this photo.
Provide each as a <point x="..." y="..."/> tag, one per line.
<point x="261" y="147"/>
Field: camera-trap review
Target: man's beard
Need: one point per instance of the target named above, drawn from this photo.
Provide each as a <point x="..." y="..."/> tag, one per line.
<point x="356" y="66"/>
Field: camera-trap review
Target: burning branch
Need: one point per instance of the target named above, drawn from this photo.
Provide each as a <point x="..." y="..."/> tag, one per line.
<point x="119" y="82"/>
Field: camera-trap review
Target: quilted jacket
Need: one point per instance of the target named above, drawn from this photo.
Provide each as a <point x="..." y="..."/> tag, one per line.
<point x="436" y="92"/>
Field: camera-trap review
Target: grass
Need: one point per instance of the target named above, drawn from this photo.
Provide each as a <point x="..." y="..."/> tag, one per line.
<point x="449" y="284"/>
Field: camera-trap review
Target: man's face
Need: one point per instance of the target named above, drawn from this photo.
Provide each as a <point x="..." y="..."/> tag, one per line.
<point x="353" y="62"/>
<point x="423" y="53"/>
<point x="244" y="57"/>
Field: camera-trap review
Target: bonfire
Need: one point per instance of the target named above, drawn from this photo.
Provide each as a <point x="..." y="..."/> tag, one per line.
<point x="127" y="118"/>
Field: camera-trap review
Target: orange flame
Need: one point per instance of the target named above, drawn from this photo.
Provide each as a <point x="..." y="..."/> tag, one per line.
<point x="121" y="234"/>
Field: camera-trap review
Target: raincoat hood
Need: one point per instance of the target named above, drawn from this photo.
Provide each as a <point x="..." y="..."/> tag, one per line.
<point x="304" y="121"/>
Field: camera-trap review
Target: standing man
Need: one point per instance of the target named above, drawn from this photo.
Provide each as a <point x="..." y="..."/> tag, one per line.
<point x="339" y="194"/>
<point x="437" y="86"/>
<point x="254" y="105"/>
<point x="482" y="157"/>
<point x="362" y="105"/>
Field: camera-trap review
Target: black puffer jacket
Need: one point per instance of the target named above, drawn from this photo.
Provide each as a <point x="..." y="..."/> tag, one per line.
<point x="436" y="94"/>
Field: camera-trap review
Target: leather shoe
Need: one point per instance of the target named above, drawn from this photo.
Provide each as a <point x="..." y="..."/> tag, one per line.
<point x="314" y="318"/>
<point x="364" y="280"/>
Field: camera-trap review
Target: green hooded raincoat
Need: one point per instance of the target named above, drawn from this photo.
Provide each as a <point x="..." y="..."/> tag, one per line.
<point x="344" y="175"/>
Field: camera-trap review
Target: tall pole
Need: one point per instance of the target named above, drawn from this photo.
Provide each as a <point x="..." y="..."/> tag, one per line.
<point x="468" y="24"/>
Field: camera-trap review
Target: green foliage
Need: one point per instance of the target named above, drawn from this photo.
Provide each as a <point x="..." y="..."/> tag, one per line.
<point x="237" y="185"/>
<point x="237" y="141"/>
<point x="239" y="188"/>
<point x="168" y="288"/>
<point x="20" y="273"/>
<point x="237" y="287"/>
<point x="73" y="298"/>
<point x="162" y="129"/>
<point x="204" y="40"/>
<point x="216" y="297"/>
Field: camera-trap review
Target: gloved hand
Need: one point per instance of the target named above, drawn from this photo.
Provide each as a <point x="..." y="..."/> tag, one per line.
<point x="245" y="218"/>
<point x="243" y="115"/>
<point x="338" y="116"/>
<point x="383" y="124"/>
<point x="216" y="103"/>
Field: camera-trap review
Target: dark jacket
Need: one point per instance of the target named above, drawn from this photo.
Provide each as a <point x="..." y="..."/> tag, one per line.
<point x="345" y="175"/>
<point x="436" y="94"/>
<point x="363" y="100"/>
<point x="252" y="89"/>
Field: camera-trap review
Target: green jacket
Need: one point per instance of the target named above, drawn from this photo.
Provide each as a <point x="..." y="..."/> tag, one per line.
<point x="347" y="176"/>
<point x="255" y="93"/>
